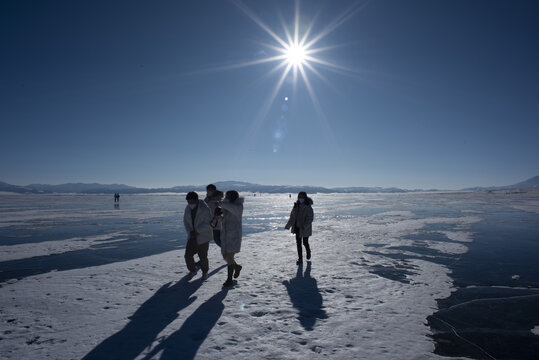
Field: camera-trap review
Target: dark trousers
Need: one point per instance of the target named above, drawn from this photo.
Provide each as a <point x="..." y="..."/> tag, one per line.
<point x="192" y="248"/>
<point x="217" y="237"/>
<point x="305" y="243"/>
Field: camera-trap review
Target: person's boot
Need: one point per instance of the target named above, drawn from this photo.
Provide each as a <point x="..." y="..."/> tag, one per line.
<point x="228" y="281"/>
<point x="237" y="269"/>
<point x="308" y="249"/>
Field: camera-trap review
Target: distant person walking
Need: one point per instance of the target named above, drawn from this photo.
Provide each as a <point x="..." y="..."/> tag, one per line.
<point x="231" y="233"/>
<point x="213" y="199"/>
<point x="117" y="197"/>
<point x="300" y="223"/>
<point x="196" y="220"/>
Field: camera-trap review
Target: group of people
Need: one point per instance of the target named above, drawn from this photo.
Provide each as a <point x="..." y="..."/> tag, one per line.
<point x="219" y="217"/>
<point x="213" y="218"/>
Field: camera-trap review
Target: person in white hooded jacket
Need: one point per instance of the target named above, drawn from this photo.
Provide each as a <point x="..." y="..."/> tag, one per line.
<point x="196" y="220"/>
<point x="231" y="233"/>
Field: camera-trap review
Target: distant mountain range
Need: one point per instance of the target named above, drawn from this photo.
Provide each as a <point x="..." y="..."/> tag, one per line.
<point x="94" y="188"/>
<point x="527" y="184"/>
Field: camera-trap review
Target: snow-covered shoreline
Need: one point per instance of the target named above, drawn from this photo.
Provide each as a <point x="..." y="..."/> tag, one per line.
<point x="269" y="314"/>
<point x="98" y="282"/>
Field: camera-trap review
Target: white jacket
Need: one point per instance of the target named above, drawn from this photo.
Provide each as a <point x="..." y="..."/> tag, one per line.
<point x="231" y="228"/>
<point x="202" y="222"/>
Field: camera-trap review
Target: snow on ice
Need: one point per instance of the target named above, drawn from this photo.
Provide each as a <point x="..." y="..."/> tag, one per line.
<point x="354" y="300"/>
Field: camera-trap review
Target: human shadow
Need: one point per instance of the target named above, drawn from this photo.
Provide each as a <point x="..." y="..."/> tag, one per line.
<point x="306" y="297"/>
<point x="149" y="320"/>
<point x="184" y="343"/>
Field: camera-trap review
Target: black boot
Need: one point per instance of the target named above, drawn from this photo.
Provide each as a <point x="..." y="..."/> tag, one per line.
<point x="308" y="249"/>
<point x="237" y="269"/>
<point x="228" y="281"/>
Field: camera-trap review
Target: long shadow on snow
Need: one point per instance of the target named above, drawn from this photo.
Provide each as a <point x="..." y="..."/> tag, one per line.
<point x="149" y="320"/>
<point x="184" y="343"/>
<point x="306" y="297"/>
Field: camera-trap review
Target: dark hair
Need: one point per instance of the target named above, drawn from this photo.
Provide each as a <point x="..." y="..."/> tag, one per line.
<point x="232" y="195"/>
<point x="211" y="187"/>
<point x="191" y="195"/>
<point x="302" y="194"/>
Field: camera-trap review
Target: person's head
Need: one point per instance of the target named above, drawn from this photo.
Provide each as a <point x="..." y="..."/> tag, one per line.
<point x="302" y="196"/>
<point x="192" y="198"/>
<point x="211" y="189"/>
<point x="232" y="195"/>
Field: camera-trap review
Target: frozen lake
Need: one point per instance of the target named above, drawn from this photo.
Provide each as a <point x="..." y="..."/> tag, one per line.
<point x="465" y="266"/>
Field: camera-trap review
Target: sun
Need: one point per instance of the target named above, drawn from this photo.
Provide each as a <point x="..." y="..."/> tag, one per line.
<point x="296" y="54"/>
<point x="296" y="50"/>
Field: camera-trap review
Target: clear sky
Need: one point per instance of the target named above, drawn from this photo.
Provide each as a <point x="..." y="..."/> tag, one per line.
<point x="413" y="94"/>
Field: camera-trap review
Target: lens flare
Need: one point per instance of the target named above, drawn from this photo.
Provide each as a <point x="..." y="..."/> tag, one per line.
<point x="295" y="55"/>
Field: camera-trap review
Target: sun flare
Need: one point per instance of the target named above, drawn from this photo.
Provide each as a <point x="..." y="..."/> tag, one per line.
<point x="295" y="54"/>
<point x="296" y="49"/>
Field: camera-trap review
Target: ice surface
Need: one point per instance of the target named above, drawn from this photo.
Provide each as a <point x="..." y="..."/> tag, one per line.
<point x="23" y="251"/>
<point x="377" y="270"/>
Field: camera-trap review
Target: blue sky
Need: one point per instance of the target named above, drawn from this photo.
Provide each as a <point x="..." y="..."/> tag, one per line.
<point x="414" y="94"/>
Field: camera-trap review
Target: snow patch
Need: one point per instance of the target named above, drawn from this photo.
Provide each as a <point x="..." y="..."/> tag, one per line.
<point x="460" y="236"/>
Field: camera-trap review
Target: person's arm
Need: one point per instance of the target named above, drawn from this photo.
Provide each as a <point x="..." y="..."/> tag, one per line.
<point x="187" y="221"/>
<point x="290" y="219"/>
<point x="309" y="216"/>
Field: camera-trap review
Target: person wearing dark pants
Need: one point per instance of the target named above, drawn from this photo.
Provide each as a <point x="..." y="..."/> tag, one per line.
<point x="196" y="220"/>
<point x="305" y="243"/>
<point x="192" y="249"/>
<point x="300" y="223"/>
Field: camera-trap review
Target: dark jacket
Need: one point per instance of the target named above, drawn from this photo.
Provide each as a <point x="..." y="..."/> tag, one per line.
<point x="213" y="202"/>
<point x="301" y="217"/>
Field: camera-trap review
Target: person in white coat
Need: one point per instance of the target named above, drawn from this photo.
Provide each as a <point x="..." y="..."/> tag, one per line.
<point x="300" y="223"/>
<point x="231" y="233"/>
<point x="196" y="220"/>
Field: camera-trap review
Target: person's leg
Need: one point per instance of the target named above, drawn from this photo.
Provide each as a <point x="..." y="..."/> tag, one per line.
<point x="237" y="267"/>
<point x="229" y="258"/>
<point x="217" y="237"/>
<point x="203" y="255"/>
<point x="190" y="251"/>
<point x="307" y="247"/>
<point x="298" y="245"/>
